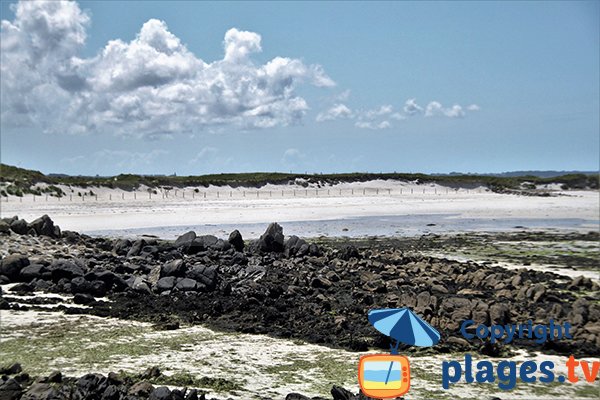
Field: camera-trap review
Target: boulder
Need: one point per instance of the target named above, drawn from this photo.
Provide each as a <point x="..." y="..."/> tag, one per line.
<point x="121" y="246"/>
<point x="141" y="389"/>
<point x="236" y="240"/>
<point x="44" y="226"/>
<point x="32" y="272"/>
<point x="272" y="239"/>
<point x="295" y="246"/>
<point x="348" y="252"/>
<point x="174" y="268"/>
<point x="4" y="228"/>
<point x="83" y="298"/>
<point x="186" y="285"/>
<point x="160" y="393"/>
<point x="65" y="269"/>
<point x="136" y="248"/>
<point x="19" y="226"/>
<point x="10" y="390"/>
<point x="205" y="275"/>
<point x="12" y="265"/>
<point x="22" y="288"/>
<point x="184" y="241"/>
<point x="139" y="285"/>
<point x="164" y="284"/>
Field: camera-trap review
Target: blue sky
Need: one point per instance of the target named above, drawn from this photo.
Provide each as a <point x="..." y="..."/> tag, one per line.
<point x="101" y="87"/>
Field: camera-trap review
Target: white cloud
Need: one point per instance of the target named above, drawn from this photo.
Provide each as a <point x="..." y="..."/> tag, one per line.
<point x="398" y="116"/>
<point x="150" y="86"/>
<point x="473" y="107"/>
<point x="411" y="107"/>
<point x="373" y="125"/>
<point x="293" y="158"/>
<point x="435" y="108"/>
<point x="337" y="111"/>
<point x="382" y="110"/>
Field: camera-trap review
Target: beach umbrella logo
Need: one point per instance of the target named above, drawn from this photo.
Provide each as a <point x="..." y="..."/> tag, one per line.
<point x="385" y="376"/>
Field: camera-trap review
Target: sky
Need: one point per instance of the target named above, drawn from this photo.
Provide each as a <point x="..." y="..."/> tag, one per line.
<point x="157" y="87"/>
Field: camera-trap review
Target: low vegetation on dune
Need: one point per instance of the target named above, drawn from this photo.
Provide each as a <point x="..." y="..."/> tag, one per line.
<point x="19" y="181"/>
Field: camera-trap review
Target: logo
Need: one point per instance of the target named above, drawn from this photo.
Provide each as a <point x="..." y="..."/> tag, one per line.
<point x="384" y="376"/>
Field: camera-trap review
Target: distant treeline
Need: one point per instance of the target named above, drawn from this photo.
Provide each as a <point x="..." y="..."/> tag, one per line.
<point x="24" y="179"/>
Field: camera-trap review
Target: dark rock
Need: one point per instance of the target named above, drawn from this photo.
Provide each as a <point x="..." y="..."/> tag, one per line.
<point x="19" y="226"/>
<point x="141" y="389"/>
<point x="139" y="285"/>
<point x="136" y="248"/>
<point x="296" y="396"/>
<point x="151" y="372"/>
<point x="83" y="298"/>
<point x="184" y="241"/>
<point x="112" y="392"/>
<point x="4" y="228"/>
<point x="65" y="269"/>
<point x="11" y="369"/>
<point x="160" y="393"/>
<point x="339" y="393"/>
<point x="174" y="268"/>
<point x="272" y="239"/>
<point x="236" y="240"/>
<point x="55" y="377"/>
<point x="221" y="245"/>
<point x="348" y="252"/>
<point x="12" y="265"/>
<point x="32" y="272"/>
<point x="44" y="226"/>
<point x="164" y="284"/>
<point x="295" y="246"/>
<point x="22" y="288"/>
<point x="186" y="285"/>
<point x="205" y="275"/>
<point x="10" y="390"/>
<point x="121" y="246"/>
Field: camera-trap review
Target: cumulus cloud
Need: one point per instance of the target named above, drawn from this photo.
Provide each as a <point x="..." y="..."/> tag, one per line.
<point x="435" y="108"/>
<point x="120" y="158"/>
<point x="411" y="107"/>
<point x="373" y="125"/>
<point x="337" y="111"/>
<point x="473" y="107"/>
<point x="150" y="86"/>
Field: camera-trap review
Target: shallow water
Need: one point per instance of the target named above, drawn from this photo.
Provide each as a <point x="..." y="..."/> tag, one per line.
<point x="381" y="226"/>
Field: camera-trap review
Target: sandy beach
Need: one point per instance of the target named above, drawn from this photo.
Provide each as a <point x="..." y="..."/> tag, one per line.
<point x="112" y="210"/>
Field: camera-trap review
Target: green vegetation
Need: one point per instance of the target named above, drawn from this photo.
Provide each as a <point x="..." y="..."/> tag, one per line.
<point x="24" y="179"/>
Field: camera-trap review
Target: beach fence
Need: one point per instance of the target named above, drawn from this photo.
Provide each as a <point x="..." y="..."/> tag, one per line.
<point x="200" y="194"/>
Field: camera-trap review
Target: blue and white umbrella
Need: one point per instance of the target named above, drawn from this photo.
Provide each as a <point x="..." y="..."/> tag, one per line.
<point x="405" y="326"/>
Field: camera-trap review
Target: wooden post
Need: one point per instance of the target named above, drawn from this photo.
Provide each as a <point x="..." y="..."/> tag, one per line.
<point x="364" y="191"/>
<point x="352" y="191"/>
<point x="46" y="197"/>
<point x="123" y="196"/>
<point x="110" y="196"/>
<point x="34" y="198"/>
<point x="96" y="197"/>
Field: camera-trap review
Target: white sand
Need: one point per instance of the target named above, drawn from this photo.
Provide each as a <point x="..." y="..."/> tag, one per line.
<point x="114" y="209"/>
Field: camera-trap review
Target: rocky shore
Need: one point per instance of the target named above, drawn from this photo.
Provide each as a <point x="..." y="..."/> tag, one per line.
<point x="281" y="286"/>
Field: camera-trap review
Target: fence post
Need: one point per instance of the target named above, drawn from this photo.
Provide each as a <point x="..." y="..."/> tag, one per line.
<point x="34" y="198"/>
<point x="306" y="192"/>
<point x="110" y="196"/>
<point x="364" y="191"/>
<point x="204" y="194"/>
<point x="411" y="191"/>
<point x="217" y="194"/>
<point x="230" y="193"/>
<point x="123" y="196"/>
<point x="352" y="191"/>
<point x="134" y="195"/>
<point x="96" y="197"/>
<point x="243" y="193"/>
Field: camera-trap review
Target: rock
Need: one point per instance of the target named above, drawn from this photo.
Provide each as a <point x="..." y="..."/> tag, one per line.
<point x="174" y="268"/>
<point x="272" y="239"/>
<point x="12" y="369"/>
<point x="348" y="252"/>
<point x="83" y="298"/>
<point x="10" y="390"/>
<point x="136" y="248"/>
<point x="339" y="393"/>
<point x="296" y="396"/>
<point x="139" y="285"/>
<point x="12" y="265"/>
<point x="112" y="392"/>
<point x="221" y="245"/>
<point x="236" y="240"/>
<point x="184" y="241"/>
<point x="141" y="389"/>
<point x="65" y="269"/>
<point x="44" y="226"/>
<point x="206" y="276"/>
<point x="151" y="372"/>
<point x="164" y="284"/>
<point x="320" y="283"/>
<point x="22" y="288"/>
<point x="41" y="391"/>
<point x="160" y="393"/>
<point x="19" y="226"/>
<point x="154" y="275"/>
<point x="32" y="272"/>
<point x="121" y="246"/>
<point x="55" y="377"/>
<point x="499" y="314"/>
<point x="186" y="285"/>
<point x="4" y="228"/>
<point x="295" y="246"/>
